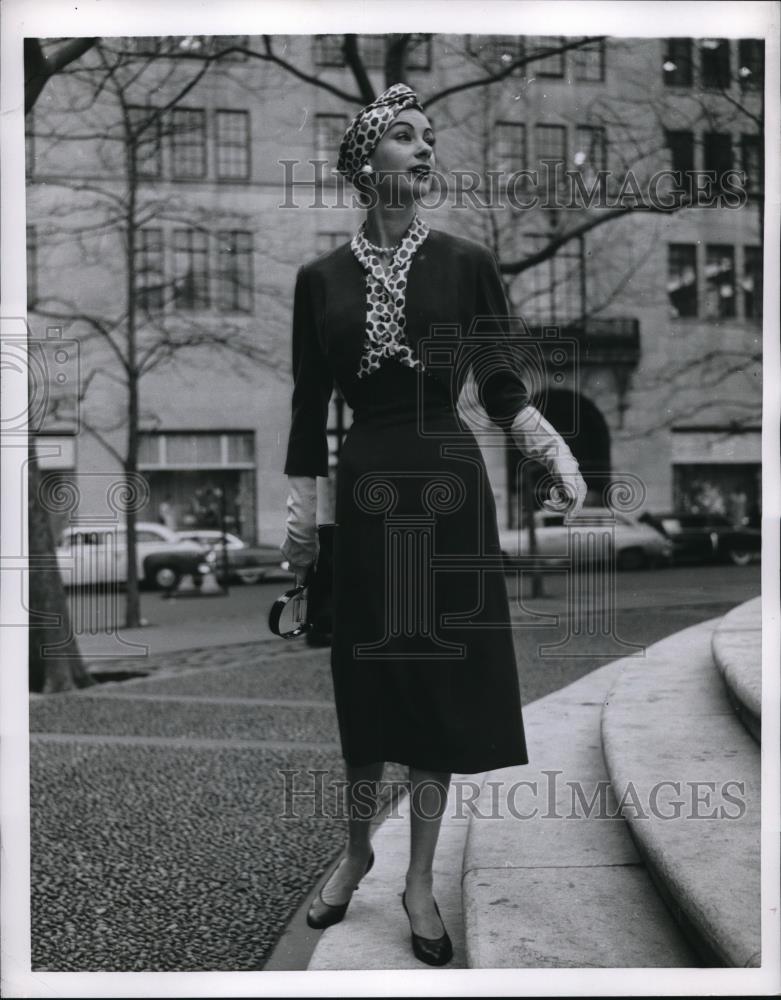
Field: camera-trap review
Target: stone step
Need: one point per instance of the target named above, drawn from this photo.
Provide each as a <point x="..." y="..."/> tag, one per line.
<point x="670" y="734"/>
<point x="565" y="887"/>
<point x="737" y="652"/>
<point x="375" y="931"/>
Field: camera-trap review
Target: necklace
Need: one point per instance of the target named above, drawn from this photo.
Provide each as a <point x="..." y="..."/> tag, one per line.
<point x="377" y="249"/>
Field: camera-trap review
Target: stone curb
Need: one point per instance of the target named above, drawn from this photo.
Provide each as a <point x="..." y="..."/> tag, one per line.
<point x="564" y="888"/>
<point x="737" y="652"/>
<point x="668" y="720"/>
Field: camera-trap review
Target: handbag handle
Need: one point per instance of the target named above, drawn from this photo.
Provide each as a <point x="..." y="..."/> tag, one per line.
<point x="275" y="613"/>
<point x="325" y="534"/>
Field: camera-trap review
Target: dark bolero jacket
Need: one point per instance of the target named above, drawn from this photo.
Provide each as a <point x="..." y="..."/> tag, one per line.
<point x="452" y="282"/>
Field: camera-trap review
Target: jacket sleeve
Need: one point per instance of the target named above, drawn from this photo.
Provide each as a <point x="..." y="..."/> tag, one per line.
<point x="307" y="449"/>
<point x="498" y="356"/>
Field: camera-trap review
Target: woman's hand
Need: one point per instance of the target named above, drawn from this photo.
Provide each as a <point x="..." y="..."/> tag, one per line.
<point x="538" y="439"/>
<point x="301" y="573"/>
<point x="568" y="493"/>
<point x="300" y="544"/>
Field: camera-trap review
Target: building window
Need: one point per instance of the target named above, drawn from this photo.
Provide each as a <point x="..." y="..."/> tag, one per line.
<point x="554" y="287"/>
<point x="418" y="53"/>
<point x="326" y="240"/>
<point x="590" y="62"/>
<point x="496" y="52"/>
<point x="328" y="50"/>
<point x="188" y="143"/>
<point x="717" y="154"/>
<point x="719" y="493"/>
<point x="752" y="282"/>
<point x="193" y="450"/>
<point x="681" y="146"/>
<point x="329" y="130"/>
<point x="751" y="63"/>
<point x="551" y="143"/>
<point x="751" y="162"/>
<point x="590" y="153"/>
<point x="235" y="271"/>
<point x="714" y="63"/>
<point x="546" y="66"/>
<point x="509" y="147"/>
<point x="146" y="131"/>
<point x="677" y="63"/>
<point x="32" y="267"/>
<point x="682" y="279"/>
<point x="719" y="281"/>
<point x="191" y="268"/>
<point x="372" y="51"/>
<point x="233" y="145"/>
<point x="149" y="269"/>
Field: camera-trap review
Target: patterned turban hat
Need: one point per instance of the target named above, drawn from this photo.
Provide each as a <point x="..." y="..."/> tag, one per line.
<point x="370" y="125"/>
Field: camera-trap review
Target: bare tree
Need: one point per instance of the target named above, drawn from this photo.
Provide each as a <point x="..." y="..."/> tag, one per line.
<point x="136" y="330"/>
<point x="60" y="667"/>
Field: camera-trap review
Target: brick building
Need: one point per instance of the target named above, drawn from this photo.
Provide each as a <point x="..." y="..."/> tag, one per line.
<point x="659" y="313"/>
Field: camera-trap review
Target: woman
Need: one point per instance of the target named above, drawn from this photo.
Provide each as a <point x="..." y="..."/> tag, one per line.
<point x="422" y="655"/>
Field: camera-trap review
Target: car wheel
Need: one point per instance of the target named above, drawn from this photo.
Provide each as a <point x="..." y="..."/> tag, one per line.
<point x="631" y="559"/>
<point x="251" y="576"/>
<point x="739" y="557"/>
<point x="166" y="577"/>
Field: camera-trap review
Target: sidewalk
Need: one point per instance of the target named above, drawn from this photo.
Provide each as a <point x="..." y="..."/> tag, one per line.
<point x="208" y="622"/>
<point x="158" y="835"/>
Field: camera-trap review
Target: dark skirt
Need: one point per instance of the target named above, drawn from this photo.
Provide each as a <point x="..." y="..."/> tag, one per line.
<point x="422" y="658"/>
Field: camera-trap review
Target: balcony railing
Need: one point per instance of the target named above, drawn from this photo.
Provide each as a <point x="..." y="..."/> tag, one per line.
<point x="602" y="340"/>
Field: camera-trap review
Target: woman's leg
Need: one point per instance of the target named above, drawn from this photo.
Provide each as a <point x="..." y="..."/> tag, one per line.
<point x="428" y="797"/>
<point x="361" y="804"/>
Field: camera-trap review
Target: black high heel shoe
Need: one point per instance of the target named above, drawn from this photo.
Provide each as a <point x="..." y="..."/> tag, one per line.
<point x="432" y="951"/>
<point x="322" y="914"/>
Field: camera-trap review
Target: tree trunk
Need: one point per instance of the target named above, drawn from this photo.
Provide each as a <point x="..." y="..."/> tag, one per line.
<point x="132" y="596"/>
<point x="51" y="670"/>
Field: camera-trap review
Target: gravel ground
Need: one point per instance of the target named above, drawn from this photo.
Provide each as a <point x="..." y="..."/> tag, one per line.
<point x="184" y="721"/>
<point x="165" y="858"/>
<point x="173" y="859"/>
<point x="307" y="675"/>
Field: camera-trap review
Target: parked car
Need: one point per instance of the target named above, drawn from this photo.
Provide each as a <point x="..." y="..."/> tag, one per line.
<point x="93" y="553"/>
<point x="636" y="545"/>
<point x="246" y="563"/>
<point x="707" y="537"/>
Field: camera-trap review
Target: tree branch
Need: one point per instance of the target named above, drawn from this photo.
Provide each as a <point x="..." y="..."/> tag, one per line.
<point x="39" y="68"/>
<point x="510" y="68"/>
<point x="555" y="244"/>
<point x="271" y="56"/>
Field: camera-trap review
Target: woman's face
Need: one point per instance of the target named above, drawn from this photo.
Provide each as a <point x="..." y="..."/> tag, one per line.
<point x="404" y="157"/>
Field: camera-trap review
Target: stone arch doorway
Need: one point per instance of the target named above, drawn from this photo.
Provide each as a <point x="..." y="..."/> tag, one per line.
<point x="585" y="431"/>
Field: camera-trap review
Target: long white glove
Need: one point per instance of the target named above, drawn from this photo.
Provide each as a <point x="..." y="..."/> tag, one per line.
<point x="300" y="544"/>
<point x="536" y="438"/>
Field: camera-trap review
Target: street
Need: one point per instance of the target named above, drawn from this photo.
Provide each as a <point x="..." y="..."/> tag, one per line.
<point x="158" y="831"/>
<point x="649" y="604"/>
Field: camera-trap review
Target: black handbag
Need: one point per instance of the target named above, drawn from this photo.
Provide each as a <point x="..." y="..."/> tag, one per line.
<point x="309" y="606"/>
